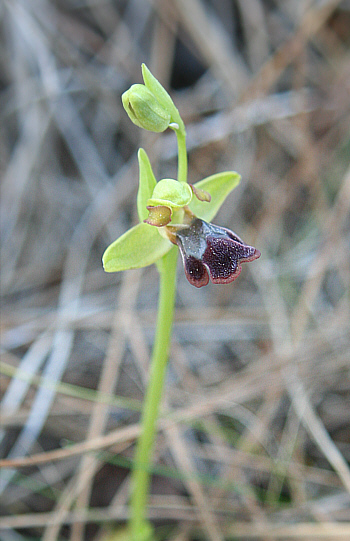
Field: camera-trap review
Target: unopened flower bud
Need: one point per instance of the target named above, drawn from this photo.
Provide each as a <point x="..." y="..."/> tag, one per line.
<point x="144" y="110"/>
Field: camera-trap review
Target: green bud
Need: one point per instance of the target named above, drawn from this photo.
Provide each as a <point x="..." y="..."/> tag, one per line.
<point x="144" y="110"/>
<point x="171" y="193"/>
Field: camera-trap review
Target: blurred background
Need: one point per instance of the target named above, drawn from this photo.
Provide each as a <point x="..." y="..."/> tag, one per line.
<point x="254" y="441"/>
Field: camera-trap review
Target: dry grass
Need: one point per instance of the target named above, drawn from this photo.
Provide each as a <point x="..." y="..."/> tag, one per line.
<point x="255" y="428"/>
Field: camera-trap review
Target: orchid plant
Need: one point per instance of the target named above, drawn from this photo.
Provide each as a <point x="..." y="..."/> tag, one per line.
<point x="173" y="215"/>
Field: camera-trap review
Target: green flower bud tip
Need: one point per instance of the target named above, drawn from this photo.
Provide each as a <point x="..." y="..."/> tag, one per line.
<point x="144" y="110"/>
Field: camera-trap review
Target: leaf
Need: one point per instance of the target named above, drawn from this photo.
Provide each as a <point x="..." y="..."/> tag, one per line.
<point x="140" y="246"/>
<point x="218" y="186"/>
<point x="161" y="94"/>
<point x="147" y="183"/>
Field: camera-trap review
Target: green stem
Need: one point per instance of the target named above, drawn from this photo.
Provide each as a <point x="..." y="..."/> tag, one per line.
<point x="140" y="529"/>
<point x="182" y="153"/>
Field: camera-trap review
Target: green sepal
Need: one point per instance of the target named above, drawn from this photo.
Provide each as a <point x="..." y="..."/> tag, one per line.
<point x="171" y="193"/>
<point x="161" y="95"/>
<point x="147" y="183"/>
<point x="140" y="246"/>
<point x="218" y="186"/>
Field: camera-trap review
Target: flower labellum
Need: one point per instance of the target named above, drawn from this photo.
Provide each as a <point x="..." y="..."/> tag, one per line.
<point x="211" y="251"/>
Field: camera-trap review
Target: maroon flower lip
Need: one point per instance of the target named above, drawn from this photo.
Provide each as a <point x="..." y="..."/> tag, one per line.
<point x="208" y="250"/>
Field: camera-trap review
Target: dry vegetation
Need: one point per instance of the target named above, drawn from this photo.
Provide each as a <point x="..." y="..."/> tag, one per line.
<point x="254" y="437"/>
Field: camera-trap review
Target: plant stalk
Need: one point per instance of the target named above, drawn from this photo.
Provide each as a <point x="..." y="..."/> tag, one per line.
<point x="182" y="155"/>
<point x="142" y="467"/>
<point x="140" y="528"/>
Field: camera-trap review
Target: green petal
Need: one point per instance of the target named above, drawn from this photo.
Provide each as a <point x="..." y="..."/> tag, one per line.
<point x="218" y="186"/>
<point x="159" y="216"/>
<point x="202" y="195"/>
<point x="147" y="183"/>
<point x="139" y="247"/>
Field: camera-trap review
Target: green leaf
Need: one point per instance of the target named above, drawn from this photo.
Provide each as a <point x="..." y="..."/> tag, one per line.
<point x="140" y="246"/>
<point x="218" y="186"/>
<point x="161" y="95"/>
<point x="147" y="183"/>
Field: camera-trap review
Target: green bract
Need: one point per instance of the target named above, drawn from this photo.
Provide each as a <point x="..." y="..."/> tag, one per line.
<point x="171" y="193"/>
<point x="162" y="96"/>
<point x="144" y="110"/>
